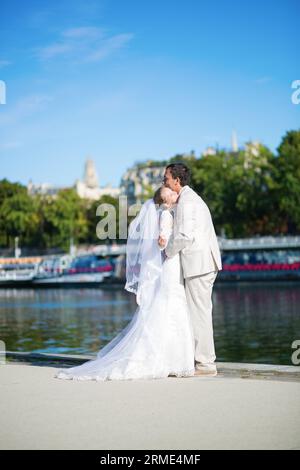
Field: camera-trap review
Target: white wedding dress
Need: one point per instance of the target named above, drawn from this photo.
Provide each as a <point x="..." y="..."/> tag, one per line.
<point x="158" y="341"/>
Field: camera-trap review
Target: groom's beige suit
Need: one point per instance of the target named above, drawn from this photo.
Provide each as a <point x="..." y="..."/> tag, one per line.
<point x="195" y="239"/>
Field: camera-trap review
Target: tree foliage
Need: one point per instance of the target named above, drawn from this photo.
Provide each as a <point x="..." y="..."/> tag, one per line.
<point x="249" y="192"/>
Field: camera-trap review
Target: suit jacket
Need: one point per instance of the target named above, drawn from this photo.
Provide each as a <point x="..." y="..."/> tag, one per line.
<point x="194" y="236"/>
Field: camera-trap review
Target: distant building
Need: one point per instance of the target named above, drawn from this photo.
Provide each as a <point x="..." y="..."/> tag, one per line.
<point x="253" y="156"/>
<point x="234" y="142"/>
<point x="252" y="148"/>
<point x="209" y="151"/>
<point x="44" y="189"/>
<point x="140" y="181"/>
<point x="89" y="187"/>
<point x="214" y="150"/>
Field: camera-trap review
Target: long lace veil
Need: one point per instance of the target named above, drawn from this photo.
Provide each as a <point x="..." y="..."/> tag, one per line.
<point x="143" y="256"/>
<point x="143" y="270"/>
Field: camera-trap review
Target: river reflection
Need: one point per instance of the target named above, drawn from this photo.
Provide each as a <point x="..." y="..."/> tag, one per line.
<point x="252" y="322"/>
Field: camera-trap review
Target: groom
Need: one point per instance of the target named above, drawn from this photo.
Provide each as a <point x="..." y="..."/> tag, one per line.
<point x="195" y="239"/>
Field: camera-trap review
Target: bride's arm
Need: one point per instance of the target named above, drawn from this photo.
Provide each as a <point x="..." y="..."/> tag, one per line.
<point x="165" y="227"/>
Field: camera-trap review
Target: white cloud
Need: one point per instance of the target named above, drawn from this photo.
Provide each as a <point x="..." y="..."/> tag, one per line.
<point x="4" y="63"/>
<point x="90" y="32"/>
<point x="54" y="50"/>
<point x="262" y="80"/>
<point x="84" y="44"/>
<point x="23" y="108"/>
<point x="108" y="46"/>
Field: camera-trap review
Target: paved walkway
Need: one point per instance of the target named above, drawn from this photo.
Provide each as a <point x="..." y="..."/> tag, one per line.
<point x="224" y="412"/>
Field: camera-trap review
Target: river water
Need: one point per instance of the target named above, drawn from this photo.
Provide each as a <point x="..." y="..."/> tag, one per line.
<point x="253" y="323"/>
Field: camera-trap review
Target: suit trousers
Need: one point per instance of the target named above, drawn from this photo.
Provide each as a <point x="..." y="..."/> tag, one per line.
<point x="199" y="298"/>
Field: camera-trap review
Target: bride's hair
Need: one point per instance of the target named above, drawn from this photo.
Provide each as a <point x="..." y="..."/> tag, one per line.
<point x="157" y="198"/>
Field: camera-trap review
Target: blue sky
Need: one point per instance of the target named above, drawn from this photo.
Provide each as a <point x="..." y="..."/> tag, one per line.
<point x="123" y="81"/>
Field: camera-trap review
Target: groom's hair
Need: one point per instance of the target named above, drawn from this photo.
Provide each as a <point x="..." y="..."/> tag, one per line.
<point x="181" y="171"/>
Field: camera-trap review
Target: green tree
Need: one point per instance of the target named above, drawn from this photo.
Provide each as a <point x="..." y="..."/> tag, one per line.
<point x="64" y="218"/>
<point x="17" y="214"/>
<point x="238" y="190"/>
<point x="93" y="219"/>
<point x="288" y="181"/>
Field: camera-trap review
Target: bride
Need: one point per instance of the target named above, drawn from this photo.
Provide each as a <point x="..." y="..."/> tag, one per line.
<point x="158" y="341"/>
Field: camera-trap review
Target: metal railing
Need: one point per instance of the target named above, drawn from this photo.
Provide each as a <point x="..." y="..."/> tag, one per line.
<point x="267" y="242"/>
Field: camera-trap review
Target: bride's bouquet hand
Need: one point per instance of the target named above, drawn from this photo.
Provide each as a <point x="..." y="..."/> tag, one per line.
<point x="162" y="241"/>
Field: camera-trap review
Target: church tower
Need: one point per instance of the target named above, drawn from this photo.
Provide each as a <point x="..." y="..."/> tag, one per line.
<point x="234" y="142"/>
<point x="90" y="174"/>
